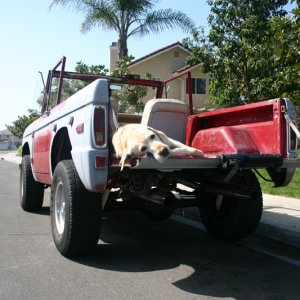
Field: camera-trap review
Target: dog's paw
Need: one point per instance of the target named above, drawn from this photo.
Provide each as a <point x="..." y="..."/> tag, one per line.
<point x="198" y="153"/>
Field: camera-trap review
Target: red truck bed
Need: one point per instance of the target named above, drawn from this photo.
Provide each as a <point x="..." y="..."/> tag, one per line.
<point x="249" y="129"/>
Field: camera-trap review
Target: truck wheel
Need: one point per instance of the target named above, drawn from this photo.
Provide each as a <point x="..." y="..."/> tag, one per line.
<point x="31" y="191"/>
<point x="230" y="218"/>
<point x="75" y="212"/>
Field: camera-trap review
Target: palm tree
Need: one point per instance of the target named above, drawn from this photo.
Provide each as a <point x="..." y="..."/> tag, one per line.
<point x="127" y="17"/>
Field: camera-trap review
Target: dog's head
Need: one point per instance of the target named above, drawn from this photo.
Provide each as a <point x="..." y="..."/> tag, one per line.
<point x="145" y="140"/>
<point x="140" y="140"/>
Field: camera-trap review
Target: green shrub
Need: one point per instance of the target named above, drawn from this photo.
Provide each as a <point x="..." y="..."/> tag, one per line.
<point x="19" y="151"/>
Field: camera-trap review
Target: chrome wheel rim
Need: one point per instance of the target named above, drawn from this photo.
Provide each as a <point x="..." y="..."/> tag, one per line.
<point x="60" y="204"/>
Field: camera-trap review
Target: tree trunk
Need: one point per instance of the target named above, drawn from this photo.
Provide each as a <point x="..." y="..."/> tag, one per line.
<point x="122" y="47"/>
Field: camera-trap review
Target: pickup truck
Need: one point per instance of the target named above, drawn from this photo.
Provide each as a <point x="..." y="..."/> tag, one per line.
<point x="69" y="149"/>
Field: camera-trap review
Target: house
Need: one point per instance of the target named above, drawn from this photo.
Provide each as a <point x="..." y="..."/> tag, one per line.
<point x="8" y="141"/>
<point x="168" y="62"/>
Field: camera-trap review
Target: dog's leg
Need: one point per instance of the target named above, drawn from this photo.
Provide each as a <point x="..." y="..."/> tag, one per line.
<point x="186" y="151"/>
<point x="182" y="149"/>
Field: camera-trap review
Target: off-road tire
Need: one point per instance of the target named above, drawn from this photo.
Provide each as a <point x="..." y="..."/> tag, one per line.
<point x="235" y="218"/>
<point x="31" y="191"/>
<point x="75" y="212"/>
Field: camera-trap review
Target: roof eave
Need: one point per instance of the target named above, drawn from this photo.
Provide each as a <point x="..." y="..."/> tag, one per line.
<point x="158" y="52"/>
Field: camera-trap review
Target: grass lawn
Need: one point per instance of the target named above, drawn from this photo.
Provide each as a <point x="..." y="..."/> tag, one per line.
<point x="292" y="190"/>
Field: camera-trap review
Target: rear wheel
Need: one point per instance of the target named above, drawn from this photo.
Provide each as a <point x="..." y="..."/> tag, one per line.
<point x="31" y="191"/>
<point x="230" y="218"/>
<point x="75" y="212"/>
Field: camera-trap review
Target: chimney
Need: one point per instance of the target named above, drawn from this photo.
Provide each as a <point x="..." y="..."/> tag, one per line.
<point x="114" y="57"/>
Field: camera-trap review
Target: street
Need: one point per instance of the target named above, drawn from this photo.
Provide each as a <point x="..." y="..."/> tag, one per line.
<point x="135" y="259"/>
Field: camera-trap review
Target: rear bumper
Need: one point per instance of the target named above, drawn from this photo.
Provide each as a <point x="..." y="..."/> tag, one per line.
<point x="243" y="161"/>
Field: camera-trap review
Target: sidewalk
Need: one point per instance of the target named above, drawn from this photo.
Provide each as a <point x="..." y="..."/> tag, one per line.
<point x="280" y="220"/>
<point x="11" y="157"/>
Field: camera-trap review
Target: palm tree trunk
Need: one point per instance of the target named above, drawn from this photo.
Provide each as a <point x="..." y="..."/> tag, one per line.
<point x="122" y="47"/>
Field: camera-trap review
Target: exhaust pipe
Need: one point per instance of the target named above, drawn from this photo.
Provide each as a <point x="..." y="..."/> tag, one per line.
<point x="158" y="196"/>
<point x="158" y="204"/>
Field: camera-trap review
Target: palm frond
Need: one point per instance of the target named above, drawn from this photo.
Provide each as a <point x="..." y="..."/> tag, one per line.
<point x="141" y="29"/>
<point x="102" y="17"/>
<point x="136" y="6"/>
<point x="159" y="20"/>
<point x="127" y="17"/>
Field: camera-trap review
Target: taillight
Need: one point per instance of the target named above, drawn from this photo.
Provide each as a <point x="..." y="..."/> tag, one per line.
<point x="293" y="140"/>
<point x="100" y="161"/>
<point x="99" y="126"/>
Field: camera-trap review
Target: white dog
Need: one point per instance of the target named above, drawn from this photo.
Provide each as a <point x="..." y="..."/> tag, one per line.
<point x="135" y="140"/>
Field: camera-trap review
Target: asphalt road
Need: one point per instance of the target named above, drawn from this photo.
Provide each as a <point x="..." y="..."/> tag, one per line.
<point x="135" y="259"/>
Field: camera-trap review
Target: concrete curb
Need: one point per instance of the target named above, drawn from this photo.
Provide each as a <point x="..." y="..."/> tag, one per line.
<point x="279" y="234"/>
<point x="273" y="227"/>
<point x="281" y="219"/>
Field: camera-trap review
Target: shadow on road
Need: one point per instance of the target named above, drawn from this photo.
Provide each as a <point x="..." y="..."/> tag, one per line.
<point x="131" y="243"/>
<point x="44" y="211"/>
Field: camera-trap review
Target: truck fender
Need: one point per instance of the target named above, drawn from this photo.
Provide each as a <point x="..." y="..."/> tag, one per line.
<point x="282" y="176"/>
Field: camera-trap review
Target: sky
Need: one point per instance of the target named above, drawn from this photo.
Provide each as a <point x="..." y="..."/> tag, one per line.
<point x="34" y="38"/>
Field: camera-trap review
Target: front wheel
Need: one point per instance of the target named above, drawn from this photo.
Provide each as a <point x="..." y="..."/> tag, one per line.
<point x="229" y="218"/>
<point x="75" y="212"/>
<point x="31" y="191"/>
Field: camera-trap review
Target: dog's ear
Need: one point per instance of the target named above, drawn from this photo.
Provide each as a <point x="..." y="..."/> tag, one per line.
<point x="123" y="160"/>
<point x="162" y="136"/>
<point x="118" y="142"/>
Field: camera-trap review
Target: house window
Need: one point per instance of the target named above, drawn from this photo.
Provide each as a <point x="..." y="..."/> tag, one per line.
<point x="198" y="86"/>
<point x="176" y="53"/>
